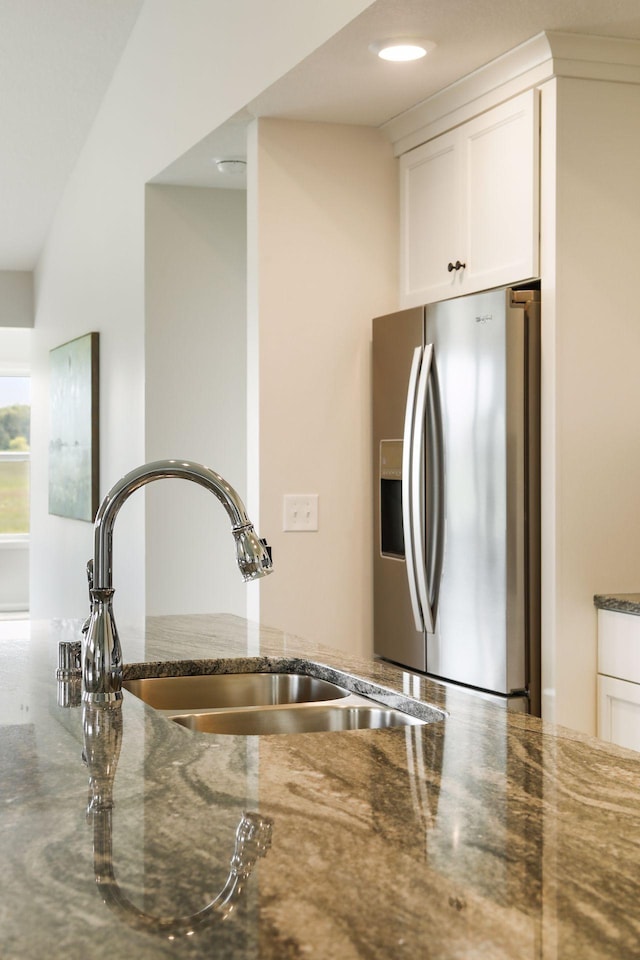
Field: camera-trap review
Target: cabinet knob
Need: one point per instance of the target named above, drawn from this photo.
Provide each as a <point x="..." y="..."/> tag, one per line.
<point x="455" y="266"/>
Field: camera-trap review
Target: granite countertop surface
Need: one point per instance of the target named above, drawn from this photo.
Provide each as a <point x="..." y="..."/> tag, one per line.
<point x="483" y="835"/>
<point x="618" y="602"/>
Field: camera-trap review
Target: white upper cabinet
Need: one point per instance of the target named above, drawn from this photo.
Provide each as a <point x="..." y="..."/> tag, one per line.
<point x="469" y="205"/>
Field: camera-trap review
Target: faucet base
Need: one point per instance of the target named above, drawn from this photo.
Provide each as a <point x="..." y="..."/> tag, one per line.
<point x="102" y="663"/>
<point x="101" y="698"/>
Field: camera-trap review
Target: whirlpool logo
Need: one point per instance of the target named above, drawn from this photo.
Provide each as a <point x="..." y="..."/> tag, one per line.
<point x="484" y="318"/>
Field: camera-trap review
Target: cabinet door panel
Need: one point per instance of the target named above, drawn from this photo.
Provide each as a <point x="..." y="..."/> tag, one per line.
<point x="430" y="235"/>
<point x="619" y="712"/>
<point x="619" y="645"/>
<point x="501" y="173"/>
<point x="470" y="197"/>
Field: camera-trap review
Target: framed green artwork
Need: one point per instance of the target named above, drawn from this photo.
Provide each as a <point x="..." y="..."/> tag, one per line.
<point x="73" y="438"/>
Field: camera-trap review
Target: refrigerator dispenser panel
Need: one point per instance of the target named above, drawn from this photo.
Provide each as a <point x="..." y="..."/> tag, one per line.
<point x="391" y="530"/>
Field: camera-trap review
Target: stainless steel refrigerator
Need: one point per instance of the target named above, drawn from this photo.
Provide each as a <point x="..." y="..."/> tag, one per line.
<point x="456" y="491"/>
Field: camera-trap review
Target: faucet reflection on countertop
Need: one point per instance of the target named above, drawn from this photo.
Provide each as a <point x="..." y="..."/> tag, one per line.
<point x="102" y="661"/>
<point x="102" y="737"/>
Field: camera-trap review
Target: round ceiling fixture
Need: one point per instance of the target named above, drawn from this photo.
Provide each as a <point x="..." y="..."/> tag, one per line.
<point x="401" y="49"/>
<point x="232" y="167"/>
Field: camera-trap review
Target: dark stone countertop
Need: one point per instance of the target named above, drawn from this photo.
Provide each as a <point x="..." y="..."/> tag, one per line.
<point x="619" y="602"/>
<point x="487" y="835"/>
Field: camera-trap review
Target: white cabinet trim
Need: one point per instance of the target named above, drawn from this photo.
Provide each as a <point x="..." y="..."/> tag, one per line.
<point x="528" y="65"/>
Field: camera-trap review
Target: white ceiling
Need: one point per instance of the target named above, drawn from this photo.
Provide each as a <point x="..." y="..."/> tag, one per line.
<point x="57" y="57"/>
<point x="343" y="82"/>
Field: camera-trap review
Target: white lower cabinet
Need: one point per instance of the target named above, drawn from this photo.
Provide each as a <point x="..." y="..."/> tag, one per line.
<point x="619" y="711"/>
<point x="619" y="678"/>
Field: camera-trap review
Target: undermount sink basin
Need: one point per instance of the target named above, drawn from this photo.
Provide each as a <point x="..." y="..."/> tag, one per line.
<point x="260" y="704"/>
<point x="232" y="690"/>
<point x="321" y="719"/>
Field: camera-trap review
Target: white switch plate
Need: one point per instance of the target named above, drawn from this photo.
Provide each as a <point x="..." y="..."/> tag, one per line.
<point x="300" y="511"/>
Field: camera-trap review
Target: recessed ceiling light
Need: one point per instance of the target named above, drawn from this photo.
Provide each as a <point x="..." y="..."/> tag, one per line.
<point x="401" y="48"/>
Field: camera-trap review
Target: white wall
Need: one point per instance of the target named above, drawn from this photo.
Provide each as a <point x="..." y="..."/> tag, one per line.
<point x="591" y="383"/>
<point x="195" y="397"/>
<point x="322" y="263"/>
<point x="16" y="298"/>
<point x="15" y="351"/>
<point x="14" y="575"/>
<point x="186" y="69"/>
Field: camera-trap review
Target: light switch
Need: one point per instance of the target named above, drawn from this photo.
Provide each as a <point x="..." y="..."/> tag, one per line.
<point x="300" y="511"/>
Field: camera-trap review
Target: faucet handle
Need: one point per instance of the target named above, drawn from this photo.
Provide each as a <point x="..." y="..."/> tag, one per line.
<point x="69" y="659"/>
<point x="85" y="626"/>
<point x="69" y="673"/>
<point x="90" y="574"/>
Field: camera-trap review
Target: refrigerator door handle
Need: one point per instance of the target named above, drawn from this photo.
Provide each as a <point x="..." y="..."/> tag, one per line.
<point x="417" y="487"/>
<point x="435" y="491"/>
<point x="407" y="488"/>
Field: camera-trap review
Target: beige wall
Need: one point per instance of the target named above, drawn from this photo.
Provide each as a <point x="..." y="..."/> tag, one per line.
<point x="322" y="262"/>
<point x="591" y="384"/>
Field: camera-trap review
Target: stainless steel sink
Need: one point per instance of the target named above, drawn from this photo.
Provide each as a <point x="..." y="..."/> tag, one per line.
<point x="311" y="719"/>
<point x="232" y="690"/>
<point x="254" y="704"/>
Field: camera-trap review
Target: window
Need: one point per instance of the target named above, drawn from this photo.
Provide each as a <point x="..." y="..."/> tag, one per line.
<point x="15" y="409"/>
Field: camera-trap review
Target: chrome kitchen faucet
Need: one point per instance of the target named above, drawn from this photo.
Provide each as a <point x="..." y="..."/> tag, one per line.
<point x="102" y="659"/>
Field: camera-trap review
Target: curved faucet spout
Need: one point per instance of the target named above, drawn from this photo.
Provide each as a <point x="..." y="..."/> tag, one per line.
<point x="253" y="559"/>
<point x="102" y="665"/>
